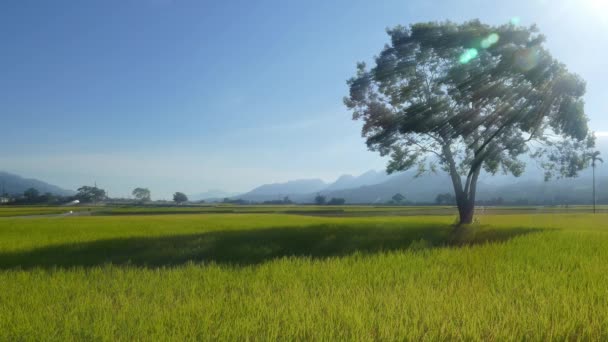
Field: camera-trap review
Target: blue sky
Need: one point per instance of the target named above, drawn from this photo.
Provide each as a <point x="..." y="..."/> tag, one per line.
<point x="185" y="95"/>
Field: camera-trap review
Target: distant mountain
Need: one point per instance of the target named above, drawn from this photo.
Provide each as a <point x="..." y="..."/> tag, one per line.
<point x="532" y="189"/>
<point x="348" y="181"/>
<point x="421" y="189"/>
<point x="305" y="190"/>
<point x="15" y="185"/>
<point x="276" y="191"/>
<point x="378" y="187"/>
<point x="559" y="191"/>
<point x="212" y="195"/>
<point x="424" y="189"/>
<point x="343" y="182"/>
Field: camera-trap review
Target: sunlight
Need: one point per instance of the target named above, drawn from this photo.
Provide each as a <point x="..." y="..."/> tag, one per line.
<point x="593" y="9"/>
<point x="601" y="134"/>
<point x="600" y="5"/>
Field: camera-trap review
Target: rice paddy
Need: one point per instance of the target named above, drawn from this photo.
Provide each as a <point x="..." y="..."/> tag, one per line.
<point x="267" y="276"/>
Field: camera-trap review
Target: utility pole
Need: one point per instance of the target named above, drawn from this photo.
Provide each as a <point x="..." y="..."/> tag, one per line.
<point x="594" y="157"/>
<point x="594" y="197"/>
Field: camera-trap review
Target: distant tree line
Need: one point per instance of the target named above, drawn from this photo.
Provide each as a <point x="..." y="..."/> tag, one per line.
<point x="399" y="199"/>
<point x="322" y="200"/>
<point x="445" y="199"/>
<point x="285" y="200"/>
<point x="94" y="194"/>
<point x="33" y="196"/>
<point x="237" y="201"/>
<point x="85" y="194"/>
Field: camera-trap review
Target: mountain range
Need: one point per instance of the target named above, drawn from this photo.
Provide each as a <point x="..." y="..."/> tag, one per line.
<point x="213" y="195"/>
<point x="379" y="187"/>
<point x="305" y="190"/>
<point x="14" y="184"/>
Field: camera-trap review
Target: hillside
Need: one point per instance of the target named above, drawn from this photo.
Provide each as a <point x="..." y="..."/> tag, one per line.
<point x="531" y="188"/>
<point x="276" y="191"/>
<point x="304" y="190"/>
<point x="371" y="177"/>
<point x="14" y="184"/>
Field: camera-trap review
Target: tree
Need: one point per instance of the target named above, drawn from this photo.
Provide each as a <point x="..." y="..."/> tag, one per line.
<point x="320" y="199"/>
<point x="142" y="194"/>
<point x="180" y="197"/>
<point x="397" y="198"/>
<point x="336" y="201"/>
<point x="446" y="198"/>
<point x="471" y="97"/>
<point x="47" y="197"/>
<point x="87" y="194"/>
<point x="31" y="195"/>
<point x="594" y="157"/>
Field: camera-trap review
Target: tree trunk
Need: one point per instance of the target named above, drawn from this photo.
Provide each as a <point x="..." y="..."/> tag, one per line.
<point x="466" y="211"/>
<point x="466" y="204"/>
<point x="465" y="196"/>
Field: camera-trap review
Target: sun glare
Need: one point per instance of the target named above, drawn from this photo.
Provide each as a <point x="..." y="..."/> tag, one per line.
<point x="595" y="8"/>
<point x="598" y="4"/>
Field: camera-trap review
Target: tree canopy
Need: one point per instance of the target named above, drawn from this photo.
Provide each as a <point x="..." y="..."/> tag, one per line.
<point x="31" y="194"/>
<point x="398" y="197"/>
<point x="142" y="194"/>
<point x="471" y="97"/>
<point x="90" y="194"/>
<point x="320" y="199"/>
<point x="180" y="197"/>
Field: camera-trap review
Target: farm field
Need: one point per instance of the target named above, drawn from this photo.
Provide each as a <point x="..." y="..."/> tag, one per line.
<point x="278" y="276"/>
<point x="310" y="210"/>
<point x="10" y="211"/>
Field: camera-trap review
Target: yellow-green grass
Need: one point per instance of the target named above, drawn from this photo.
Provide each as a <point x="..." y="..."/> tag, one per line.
<point x="346" y="210"/>
<point x="264" y="209"/>
<point x="8" y="211"/>
<point x="274" y="276"/>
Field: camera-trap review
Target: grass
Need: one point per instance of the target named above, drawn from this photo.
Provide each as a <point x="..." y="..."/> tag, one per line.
<point x="10" y="211"/>
<point x="310" y="210"/>
<point x="276" y="276"/>
<point x="350" y="210"/>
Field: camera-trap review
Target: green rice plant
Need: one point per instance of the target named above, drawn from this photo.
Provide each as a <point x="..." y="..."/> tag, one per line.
<point x="294" y="277"/>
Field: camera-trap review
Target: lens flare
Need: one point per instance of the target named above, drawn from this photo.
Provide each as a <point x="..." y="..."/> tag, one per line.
<point x="527" y="59"/>
<point x="468" y="56"/>
<point x="490" y="40"/>
<point x="515" y="21"/>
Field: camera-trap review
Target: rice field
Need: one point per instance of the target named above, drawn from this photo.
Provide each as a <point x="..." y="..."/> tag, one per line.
<point x="269" y="276"/>
<point x="12" y="211"/>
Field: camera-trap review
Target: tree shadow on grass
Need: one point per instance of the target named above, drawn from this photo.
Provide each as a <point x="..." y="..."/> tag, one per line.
<point x="248" y="247"/>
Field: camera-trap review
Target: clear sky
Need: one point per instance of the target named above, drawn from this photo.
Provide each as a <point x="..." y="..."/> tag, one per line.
<point x="191" y="95"/>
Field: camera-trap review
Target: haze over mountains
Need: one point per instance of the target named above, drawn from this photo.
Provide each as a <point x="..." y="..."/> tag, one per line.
<point x="212" y="195"/>
<point x="378" y="187"/>
<point x="14" y="184"/>
<point x="306" y="189"/>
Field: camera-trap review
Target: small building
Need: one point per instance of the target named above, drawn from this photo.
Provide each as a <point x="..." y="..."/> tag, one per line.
<point x="4" y="200"/>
